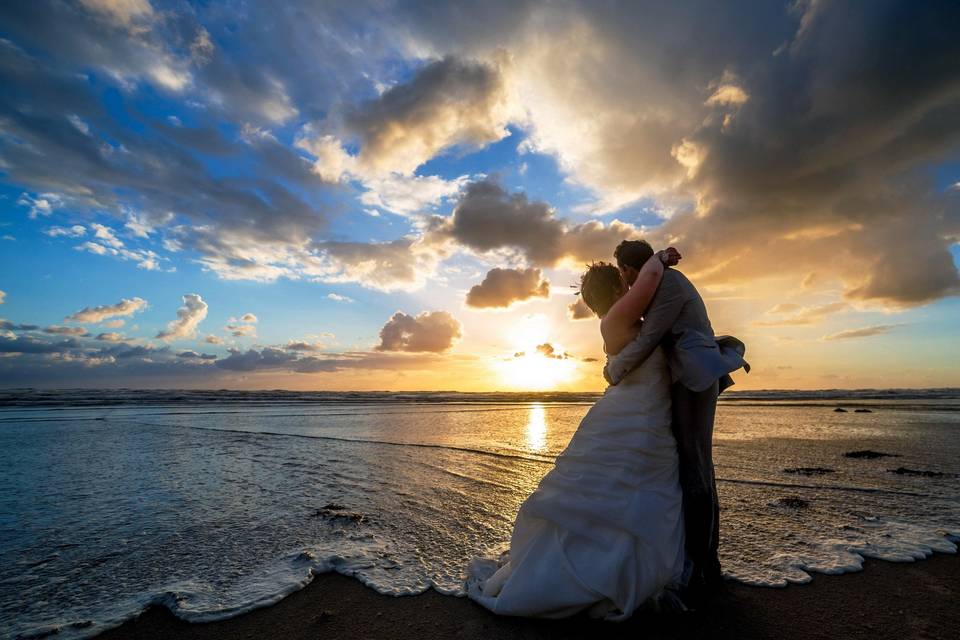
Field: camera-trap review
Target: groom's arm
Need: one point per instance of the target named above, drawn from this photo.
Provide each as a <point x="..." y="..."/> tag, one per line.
<point x="660" y="318"/>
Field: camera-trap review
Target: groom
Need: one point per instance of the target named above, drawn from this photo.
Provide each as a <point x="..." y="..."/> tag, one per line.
<point x="700" y="365"/>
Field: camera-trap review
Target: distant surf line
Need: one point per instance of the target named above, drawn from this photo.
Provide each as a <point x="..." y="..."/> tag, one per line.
<point x="545" y="459"/>
<point x="500" y="407"/>
<point x="427" y="445"/>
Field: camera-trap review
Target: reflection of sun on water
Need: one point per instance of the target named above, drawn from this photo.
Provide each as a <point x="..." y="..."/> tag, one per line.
<point x="537" y="428"/>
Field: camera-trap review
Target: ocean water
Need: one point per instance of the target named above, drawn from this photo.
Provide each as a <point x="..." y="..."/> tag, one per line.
<point x="213" y="503"/>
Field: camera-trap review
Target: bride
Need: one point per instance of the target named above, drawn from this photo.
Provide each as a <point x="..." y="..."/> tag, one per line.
<point x="603" y="532"/>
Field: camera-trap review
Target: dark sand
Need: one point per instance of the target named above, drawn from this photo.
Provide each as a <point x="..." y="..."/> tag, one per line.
<point x="885" y="600"/>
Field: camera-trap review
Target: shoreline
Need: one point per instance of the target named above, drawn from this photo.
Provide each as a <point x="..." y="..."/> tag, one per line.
<point x="885" y="600"/>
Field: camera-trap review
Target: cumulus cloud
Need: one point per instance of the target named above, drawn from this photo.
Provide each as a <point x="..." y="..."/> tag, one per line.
<point x="336" y="297"/>
<point x="106" y="243"/>
<point x="402" y="264"/>
<point x="65" y="331"/>
<point x="448" y="102"/>
<point x="75" y="231"/>
<point x="191" y="314"/>
<point x="242" y="330"/>
<point x="240" y="227"/>
<point x="549" y="351"/>
<point x="140" y="225"/>
<point x="42" y="204"/>
<point x="300" y="345"/>
<point x="503" y="287"/>
<point x="409" y="195"/>
<point x="430" y="331"/>
<point x="110" y="336"/>
<point x="50" y="359"/>
<point x="106" y="235"/>
<point x="122" y="12"/>
<point x="579" y="310"/>
<point x="488" y="218"/>
<point x="862" y="332"/>
<point x="212" y="339"/>
<point x="243" y="327"/>
<point x="126" y="307"/>
<point x="3" y="297"/>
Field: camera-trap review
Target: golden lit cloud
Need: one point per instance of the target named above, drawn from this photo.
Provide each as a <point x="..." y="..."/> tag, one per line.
<point x="503" y="287"/>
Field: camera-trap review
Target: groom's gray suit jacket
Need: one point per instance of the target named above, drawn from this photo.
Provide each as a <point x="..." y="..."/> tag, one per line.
<point x="677" y="318"/>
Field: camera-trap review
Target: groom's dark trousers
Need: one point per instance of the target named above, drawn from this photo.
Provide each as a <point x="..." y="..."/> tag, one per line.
<point x="699" y="366"/>
<point x="693" y="414"/>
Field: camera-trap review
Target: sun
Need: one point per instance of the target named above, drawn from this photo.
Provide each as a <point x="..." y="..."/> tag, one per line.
<point x="537" y="363"/>
<point x="535" y="371"/>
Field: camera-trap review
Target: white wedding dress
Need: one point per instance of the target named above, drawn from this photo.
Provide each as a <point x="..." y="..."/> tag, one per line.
<point x="604" y="530"/>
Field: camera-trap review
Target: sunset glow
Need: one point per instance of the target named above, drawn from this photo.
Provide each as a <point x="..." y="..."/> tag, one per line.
<point x="364" y="198"/>
<point x="535" y="372"/>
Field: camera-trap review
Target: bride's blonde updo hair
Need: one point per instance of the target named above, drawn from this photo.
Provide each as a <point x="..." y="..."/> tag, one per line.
<point x="601" y="286"/>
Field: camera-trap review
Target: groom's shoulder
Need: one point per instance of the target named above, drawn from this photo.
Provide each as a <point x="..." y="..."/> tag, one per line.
<point x="677" y="282"/>
<point x="674" y="278"/>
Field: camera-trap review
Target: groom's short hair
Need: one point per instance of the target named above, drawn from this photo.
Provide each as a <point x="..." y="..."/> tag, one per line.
<point x="633" y="253"/>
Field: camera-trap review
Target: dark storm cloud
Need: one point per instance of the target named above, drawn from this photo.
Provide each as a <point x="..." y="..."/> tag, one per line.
<point x="502" y="287"/>
<point x="830" y="155"/>
<point x="800" y="135"/>
<point x="29" y="344"/>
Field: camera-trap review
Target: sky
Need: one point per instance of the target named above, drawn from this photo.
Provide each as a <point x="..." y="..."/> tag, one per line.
<point x="402" y="196"/>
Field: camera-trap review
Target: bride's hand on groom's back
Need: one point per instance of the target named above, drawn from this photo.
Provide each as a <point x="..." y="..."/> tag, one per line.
<point x="670" y="257"/>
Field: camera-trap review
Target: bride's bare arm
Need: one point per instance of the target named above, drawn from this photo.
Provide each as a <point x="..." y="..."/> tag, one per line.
<point x="618" y="327"/>
<point x="657" y="322"/>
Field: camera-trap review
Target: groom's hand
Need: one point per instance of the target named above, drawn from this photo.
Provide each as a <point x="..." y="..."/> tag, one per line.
<point x="670" y="257"/>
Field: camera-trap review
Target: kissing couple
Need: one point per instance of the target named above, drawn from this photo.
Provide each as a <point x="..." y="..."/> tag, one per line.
<point x="629" y="514"/>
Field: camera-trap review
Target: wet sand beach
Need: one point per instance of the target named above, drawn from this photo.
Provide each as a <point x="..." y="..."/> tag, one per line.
<point x="885" y="600"/>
